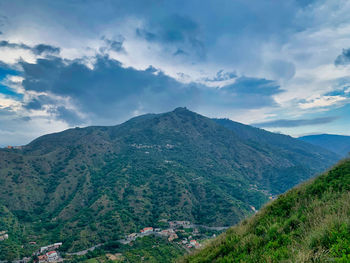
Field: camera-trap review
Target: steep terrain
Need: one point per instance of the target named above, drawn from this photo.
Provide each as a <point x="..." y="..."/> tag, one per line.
<point x="85" y="186"/>
<point x="339" y="144"/>
<point x="310" y="223"/>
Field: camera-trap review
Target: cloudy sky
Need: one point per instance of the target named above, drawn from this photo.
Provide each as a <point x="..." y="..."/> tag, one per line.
<point x="280" y="65"/>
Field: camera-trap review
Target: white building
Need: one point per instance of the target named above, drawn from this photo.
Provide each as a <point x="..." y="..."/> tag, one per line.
<point x="52" y="256"/>
<point x="4" y="237"/>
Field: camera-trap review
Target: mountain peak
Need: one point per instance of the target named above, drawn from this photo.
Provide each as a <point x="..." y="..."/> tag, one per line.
<point x="181" y="110"/>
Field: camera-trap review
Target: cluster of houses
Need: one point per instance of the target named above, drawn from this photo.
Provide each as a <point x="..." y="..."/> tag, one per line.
<point x="3" y="235"/>
<point x="48" y="253"/>
<point x="50" y="256"/>
<point x="144" y="146"/>
<point x="192" y="243"/>
<point x="170" y="233"/>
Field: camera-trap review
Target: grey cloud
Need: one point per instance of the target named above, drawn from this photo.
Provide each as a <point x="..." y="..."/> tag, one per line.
<point x="227" y="33"/>
<point x="180" y="52"/>
<point x="42" y="48"/>
<point x="70" y="116"/>
<point x="8" y="44"/>
<point x="295" y="123"/>
<point x="118" y="92"/>
<point x="247" y="85"/>
<point x="34" y="104"/>
<point x="221" y="75"/>
<point x="113" y="44"/>
<point x="114" y="90"/>
<point x="37" y="49"/>
<point x="178" y="30"/>
<point x="245" y="93"/>
<point x="344" y="58"/>
<point x="173" y="28"/>
<point x="143" y="33"/>
<point x="38" y="102"/>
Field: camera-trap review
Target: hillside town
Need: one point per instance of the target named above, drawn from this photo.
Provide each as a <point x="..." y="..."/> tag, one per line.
<point x="183" y="233"/>
<point x="48" y="253"/>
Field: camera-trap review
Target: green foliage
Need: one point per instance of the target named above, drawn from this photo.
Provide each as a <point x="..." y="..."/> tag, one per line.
<point x="87" y="186"/>
<point x="310" y="223"/>
<point x="146" y="249"/>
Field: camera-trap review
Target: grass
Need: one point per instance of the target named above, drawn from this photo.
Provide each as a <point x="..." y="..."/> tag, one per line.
<point x="310" y="223"/>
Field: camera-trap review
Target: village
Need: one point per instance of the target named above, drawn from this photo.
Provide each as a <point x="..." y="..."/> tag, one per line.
<point x="44" y="254"/>
<point x="184" y="233"/>
<point x="173" y="233"/>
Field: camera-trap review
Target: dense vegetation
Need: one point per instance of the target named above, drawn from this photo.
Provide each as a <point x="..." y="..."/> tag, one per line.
<point x="310" y="223"/>
<point x="147" y="249"/>
<point x="86" y="186"/>
<point x="339" y="144"/>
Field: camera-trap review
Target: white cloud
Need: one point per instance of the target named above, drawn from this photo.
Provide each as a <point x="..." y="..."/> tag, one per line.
<point x="12" y="56"/>
<point x="325" y="101"/>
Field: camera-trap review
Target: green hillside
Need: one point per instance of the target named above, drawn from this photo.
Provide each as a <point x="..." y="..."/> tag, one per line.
<point x="86" y="186"/>
<point x="310" y="223"/>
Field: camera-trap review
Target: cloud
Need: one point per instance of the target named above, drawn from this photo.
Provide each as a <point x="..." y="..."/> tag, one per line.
<point x="119" y="92"/>
<point x="295" y="123"/>
<point x="115" y="45"/>
<point x="116" y="91"/>
<point x="221" y="75"/>
<point x="179" y="31"/>
<point x="42" y="48"/>
<point x="7" y="44"/>
<point x="17" y="129"/>
<point x="245" y="93"/>
<point x="343" y="59"/>
<point x="68" y="115"/>
<point x="172" y="29"/>
<point x="37" y="49"/>
<point x="324" y="101"/>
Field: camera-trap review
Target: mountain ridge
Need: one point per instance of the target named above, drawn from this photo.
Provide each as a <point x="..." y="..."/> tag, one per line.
<point x="114" y="180"/>
<point x="339" y="144"/>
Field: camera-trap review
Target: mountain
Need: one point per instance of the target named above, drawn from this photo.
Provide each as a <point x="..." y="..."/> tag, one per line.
<point x="339" y="144"/>
<point x="85" y="186"/>
<point x="279" y="145"/>
<point x="310" y="223"/>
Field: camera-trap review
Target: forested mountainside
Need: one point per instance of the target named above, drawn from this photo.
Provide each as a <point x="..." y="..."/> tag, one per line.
<point x="339" y="144"/>
<point x="85" y="186"/>
<point x="310" y="223"/>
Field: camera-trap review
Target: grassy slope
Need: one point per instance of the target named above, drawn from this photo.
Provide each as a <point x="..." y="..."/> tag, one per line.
<point x="310" y="223"/>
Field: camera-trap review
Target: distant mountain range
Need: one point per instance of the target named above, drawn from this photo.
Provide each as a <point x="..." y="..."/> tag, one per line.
<point x="310" y="223"/>
<point x="339" y="144"/>
<point x="85" y="186"/>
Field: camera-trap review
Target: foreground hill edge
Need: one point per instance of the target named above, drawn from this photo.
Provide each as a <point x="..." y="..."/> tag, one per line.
<point x="310" y="223"/>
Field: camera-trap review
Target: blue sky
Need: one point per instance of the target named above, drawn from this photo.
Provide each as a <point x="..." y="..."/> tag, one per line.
<point x="280" y="65"/>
